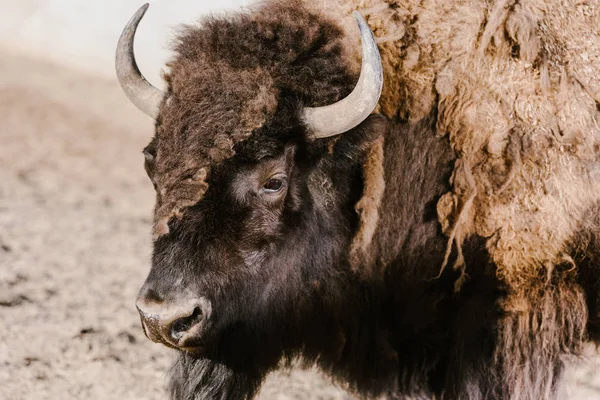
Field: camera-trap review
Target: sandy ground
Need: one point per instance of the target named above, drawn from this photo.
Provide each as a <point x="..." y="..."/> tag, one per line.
<point x="75" y="209"/>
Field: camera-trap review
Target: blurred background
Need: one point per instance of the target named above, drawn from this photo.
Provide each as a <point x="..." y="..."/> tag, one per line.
<point x="83" y="34"/>
<point x="76" y="206"/>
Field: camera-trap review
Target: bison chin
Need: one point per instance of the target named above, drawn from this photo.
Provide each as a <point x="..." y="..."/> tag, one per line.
<point x="233" y="370"/>
<point x="251" y="336"/>
<point x="267" y="323"/>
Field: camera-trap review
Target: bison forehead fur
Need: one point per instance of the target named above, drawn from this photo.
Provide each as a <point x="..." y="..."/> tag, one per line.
<point x="448" y="246"/>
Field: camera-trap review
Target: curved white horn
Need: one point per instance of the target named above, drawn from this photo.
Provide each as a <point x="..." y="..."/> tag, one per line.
<point x="141" y="93"/>
<point x="347" y="113"/>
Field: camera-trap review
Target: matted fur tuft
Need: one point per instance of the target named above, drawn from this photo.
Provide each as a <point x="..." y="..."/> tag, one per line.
<point x="367" y="209"/>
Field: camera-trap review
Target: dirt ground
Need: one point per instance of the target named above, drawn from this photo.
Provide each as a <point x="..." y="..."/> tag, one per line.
<point x="75" y="209"/>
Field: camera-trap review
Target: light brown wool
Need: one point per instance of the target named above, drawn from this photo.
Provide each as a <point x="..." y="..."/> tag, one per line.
<point x="517" y="89"/>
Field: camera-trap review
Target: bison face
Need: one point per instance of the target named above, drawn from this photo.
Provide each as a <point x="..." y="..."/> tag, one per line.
<point x="252" y="264"/>
<point x="221" y="252"/>
<point x="256" y="162"/>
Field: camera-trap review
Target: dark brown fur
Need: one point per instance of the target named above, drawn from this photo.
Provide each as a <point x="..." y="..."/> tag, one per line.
<point x="278" y="271"/>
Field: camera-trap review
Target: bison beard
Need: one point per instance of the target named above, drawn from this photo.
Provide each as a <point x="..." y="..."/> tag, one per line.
<point x="447" y="246"/>
<point x="196" y="378"/>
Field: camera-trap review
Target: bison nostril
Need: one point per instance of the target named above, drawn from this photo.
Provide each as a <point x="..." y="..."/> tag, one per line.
<point x="182" y="325"/>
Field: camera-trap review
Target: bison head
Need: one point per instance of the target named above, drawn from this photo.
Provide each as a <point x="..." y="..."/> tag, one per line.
<point x="256" y="179"/>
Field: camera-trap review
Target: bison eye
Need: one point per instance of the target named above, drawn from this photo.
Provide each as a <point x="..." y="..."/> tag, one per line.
<point x="274" y="185"/>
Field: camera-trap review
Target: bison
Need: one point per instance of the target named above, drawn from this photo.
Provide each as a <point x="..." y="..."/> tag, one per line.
<point x="421" y="223"/>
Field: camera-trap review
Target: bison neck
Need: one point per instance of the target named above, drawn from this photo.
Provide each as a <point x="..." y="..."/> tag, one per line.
<point x="407" y="329"/>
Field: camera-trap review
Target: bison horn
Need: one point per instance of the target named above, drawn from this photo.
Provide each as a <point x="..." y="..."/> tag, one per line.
<point x="347" y="113"/>
<point x="141" y="93"/>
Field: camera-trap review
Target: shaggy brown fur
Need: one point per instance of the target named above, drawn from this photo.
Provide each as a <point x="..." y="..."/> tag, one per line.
<point x="515" y="89"/>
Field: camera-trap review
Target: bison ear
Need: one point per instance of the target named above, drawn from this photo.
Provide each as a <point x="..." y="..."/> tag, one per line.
<point x="356" y="143"/>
